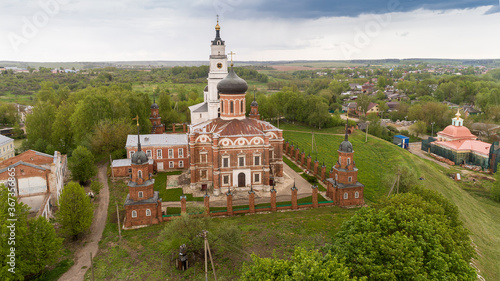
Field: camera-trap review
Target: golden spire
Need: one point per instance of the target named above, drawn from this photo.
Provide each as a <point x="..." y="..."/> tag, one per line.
<point x="217" y="27"/>
<point x="458" y="113"/>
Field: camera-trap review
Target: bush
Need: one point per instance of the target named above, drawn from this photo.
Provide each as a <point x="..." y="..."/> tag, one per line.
<point x="310" y="179"/>
<point x="96" y="187"/>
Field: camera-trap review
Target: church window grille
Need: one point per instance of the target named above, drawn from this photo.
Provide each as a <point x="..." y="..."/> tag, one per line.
<point x="225" y="162"/>
<point x="356" y="195"/>
<point x="231" y="105"/>
<point x="170" y="153"/>
<point x="256" y="178"/>
<point x="241" y="161"/>
<point x="148" y="212"/>
<point x="148" y="153"/>
<point x="222" y="106"/>
<point x="134" y="214"/>
<point x="203" y="158"/>
<point x="181" y="164"/>
<point x="180" y="152"/>
<point x="225" y="180"/>
<point x="159" y="153"/>
<point x="346" y="195"/>
<point x="139" y="174"/>
<point x="241" y="107"/>
<point x="349" y="179"/>
<point x="140" y="194"/>
<point x="348" y="161"/>
<point x="171" y="164"/>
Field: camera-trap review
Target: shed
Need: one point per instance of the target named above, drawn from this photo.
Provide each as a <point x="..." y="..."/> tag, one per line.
<point x="401" y="141"/>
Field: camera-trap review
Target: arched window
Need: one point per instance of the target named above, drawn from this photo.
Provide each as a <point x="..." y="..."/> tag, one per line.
<point x="241" y="107"/>
<point x="139" y="174"/>
<point x="356" y="195"/>
<point x="231" y="105"/>
<point x="346" y="196"/>
<point x="222" y="106"/>
<point x="148" y="212"/>
<point x="349" y="179"/>
<point x="134" y="214"/>
<point x="340" y="159"/>
<point x="140" y="194"/>
<point x="348" y="161"/>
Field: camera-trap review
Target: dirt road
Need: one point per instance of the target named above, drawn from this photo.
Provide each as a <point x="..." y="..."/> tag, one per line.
<point x="91" y="241"/>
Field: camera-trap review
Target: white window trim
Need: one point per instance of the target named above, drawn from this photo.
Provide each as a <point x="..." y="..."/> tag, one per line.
<point x="181" y="164"/>
<point x="171" y="164"/>
<point x="170" y="153"/>
<point x="228" y="161"/>
<point x="159" y="154"/>
<point x="260" y="178"/>
<point x="356" y="194"/>
<point x="244" y="160"/>
<point x="140" y="194"/>
<point x="201" y="156"/>
<point x="180" y="153"/>
<point x="134" y="213"/>
<point x="131" y="153"/>
<point x="148" y="212"/>
<point x="228" y="180"/>
<point x="260" y="159"/>
<point x="149" y="153"/>
<point x="346" y="195"/>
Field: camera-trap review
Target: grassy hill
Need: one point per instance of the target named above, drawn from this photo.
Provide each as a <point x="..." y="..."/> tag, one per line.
<point x="377" y="159"/>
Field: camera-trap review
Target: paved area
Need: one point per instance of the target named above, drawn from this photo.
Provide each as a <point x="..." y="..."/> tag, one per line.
<point x="91" y="241"/>
<point x="240" y="197"/>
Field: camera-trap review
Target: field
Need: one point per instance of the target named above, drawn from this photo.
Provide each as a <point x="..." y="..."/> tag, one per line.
<point x="137" y="257"/>
<point x="378" y="159"/>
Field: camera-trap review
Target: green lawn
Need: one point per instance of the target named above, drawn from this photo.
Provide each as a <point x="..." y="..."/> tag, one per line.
<point x="172" y="194"/>
<point x="136" y="256"/>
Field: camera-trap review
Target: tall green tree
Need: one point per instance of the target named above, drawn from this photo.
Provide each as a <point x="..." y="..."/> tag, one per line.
<point x="410" y="236"/>
<point x="39" y="123"/>
<point x="8" y="114"/>
<point x="81" y="164"/>
<point x="75" y="210"/>
<point x="303" y="265"/>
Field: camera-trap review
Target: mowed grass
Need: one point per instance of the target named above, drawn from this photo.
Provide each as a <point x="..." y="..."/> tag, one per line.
<point x="137" y="255"/>
<point x="378" y="159"/>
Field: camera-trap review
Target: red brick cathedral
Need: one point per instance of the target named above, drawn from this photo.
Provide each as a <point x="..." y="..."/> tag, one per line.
<point x="235" y="151"/>
<point x="344" y="188"/>
<point x="143" y="205"/>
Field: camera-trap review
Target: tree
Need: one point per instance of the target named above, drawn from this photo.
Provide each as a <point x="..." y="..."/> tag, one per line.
<point x="419" y="128"/>
<point x="186" y="229"/>
<point x="75" y="210"/>
<point x="8" y="114"/>
<point x="36" y="244"/>
<point x="81" y="164"/>
<point x="39" y="123"/>
<point x="43" y="244"/>
<point x="96" y="187"/>
<point x="110" y="136"/>
<point x="409" y="236"/>
<point x="304" y="265"/>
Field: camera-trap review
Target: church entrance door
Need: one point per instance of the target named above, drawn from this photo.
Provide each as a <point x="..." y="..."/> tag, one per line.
<point x="241" y="180"/>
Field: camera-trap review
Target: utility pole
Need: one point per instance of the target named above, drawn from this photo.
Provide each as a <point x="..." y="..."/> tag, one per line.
<point x="111" y="162"/>
<point x="366" y="135"/>
<point x="206" y="261"/>
<point x="119" y="227"/>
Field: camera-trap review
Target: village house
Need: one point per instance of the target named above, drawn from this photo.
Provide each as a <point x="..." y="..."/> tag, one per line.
<point x="7" y="149"/>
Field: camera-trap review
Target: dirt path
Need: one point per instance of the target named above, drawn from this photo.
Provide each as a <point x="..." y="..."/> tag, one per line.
<point x="91" y="242"/>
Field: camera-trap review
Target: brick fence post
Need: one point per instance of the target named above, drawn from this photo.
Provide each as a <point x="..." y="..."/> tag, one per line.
<point x="206" y="200"/>
<point x="273" y="200"/>
<point x="302" y="158"/>
<point x="290" y="151"/>
<point x="316" y="164"/>
<point x="251" y="201"/>
<point x="323" y="172"/>
<point x="297" y="152"/>
<point x="183" y="204"/>
<point x="229" y="203"/>
<point x="315" y="196"/>
<point x="309" y="162"/>
<point x="294" y="197"/>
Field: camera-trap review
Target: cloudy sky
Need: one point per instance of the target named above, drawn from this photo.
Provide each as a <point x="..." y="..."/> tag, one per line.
<point x="117" y="30"/>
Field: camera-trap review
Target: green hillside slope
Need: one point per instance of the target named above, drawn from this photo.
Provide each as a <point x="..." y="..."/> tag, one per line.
<point x="377" y="159"/>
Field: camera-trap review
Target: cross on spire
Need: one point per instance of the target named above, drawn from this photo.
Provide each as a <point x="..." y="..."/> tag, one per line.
<point x="231" y="54"/>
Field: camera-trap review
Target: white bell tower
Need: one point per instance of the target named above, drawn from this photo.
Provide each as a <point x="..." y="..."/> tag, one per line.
<point x="218" y="71"/>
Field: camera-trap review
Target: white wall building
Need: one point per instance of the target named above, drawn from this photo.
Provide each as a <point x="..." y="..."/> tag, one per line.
<point x="7" y="149"/>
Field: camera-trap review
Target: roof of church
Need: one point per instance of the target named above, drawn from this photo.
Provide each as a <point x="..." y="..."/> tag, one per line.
<point x="157" y="140"/>
<point x="153" y="199"/>
<point x="202" y="108"/>
<point x="232" y="84"/>
<point x="466" y="145"/>
<point x="457" y="132"/>
<point x="234" y="127"/>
